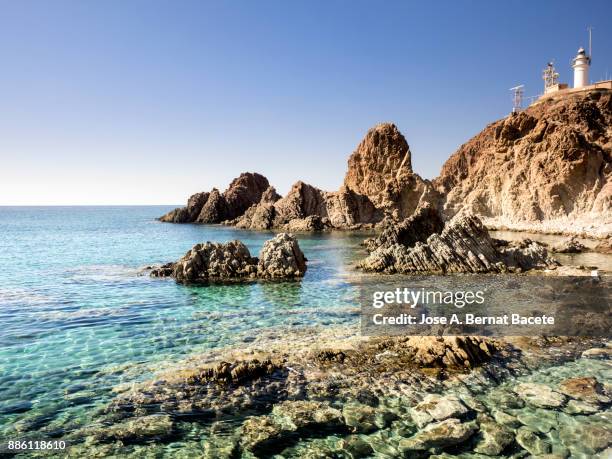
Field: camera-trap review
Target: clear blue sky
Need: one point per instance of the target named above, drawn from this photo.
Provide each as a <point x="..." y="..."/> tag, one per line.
<point x="146" y="102"/>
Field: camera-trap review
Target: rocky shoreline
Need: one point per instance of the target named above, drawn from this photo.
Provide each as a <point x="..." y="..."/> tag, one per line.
<point x="332" y="393"/>
<point x="552" y="174"/>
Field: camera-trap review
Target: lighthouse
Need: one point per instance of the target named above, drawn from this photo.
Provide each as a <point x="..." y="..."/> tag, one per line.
<point x="581" y="65"/>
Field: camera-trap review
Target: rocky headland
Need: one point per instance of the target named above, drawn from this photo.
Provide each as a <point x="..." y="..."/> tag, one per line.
<point x="546" y="169"/>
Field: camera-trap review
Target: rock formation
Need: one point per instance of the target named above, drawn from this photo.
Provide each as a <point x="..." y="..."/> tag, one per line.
<point x="379" y="181"/>
<point x="381" y="169"/>
<point x="215" y="207"/>
<point x="463" y="246"/>
<point x="417" y="228"/>
<point x="547" y="169"/>
<point x="280" y="258"/>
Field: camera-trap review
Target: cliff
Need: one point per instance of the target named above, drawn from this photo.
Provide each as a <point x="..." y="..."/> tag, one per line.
<point x="545" y="169"/>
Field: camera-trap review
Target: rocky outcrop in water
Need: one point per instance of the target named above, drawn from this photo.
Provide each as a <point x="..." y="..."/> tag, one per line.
<point x="548" y="168"/>
<point x="570" y="245"/>
<point x="379" y="182"/>
<point x="215" y="207"/>
<point x="280" y="258"/>
<point x="416" y="228"/>
<point x="463" y="246"/>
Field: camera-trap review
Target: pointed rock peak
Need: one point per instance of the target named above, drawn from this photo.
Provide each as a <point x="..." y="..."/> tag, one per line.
<point x="382" y="156"/>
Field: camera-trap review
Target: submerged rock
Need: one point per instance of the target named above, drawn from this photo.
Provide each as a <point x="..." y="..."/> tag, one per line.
<point x="586" y="389"/>
<point x="435" y="407"/>
<point x="529" y="440"/>
<point x="494" y="438"/>
<point x="280" y="258"/>
<point x="305" y="414"/>
<point x="136" y="430"/>
<point x="539" y="395"/>
<point x="441" y="434"/>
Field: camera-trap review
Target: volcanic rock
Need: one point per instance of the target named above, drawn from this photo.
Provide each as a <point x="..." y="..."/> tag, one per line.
<point x="464" y="246"/>
<point x="259" y="216"/>
<point x="280" y="258"/>
<point x="215" y="210"/>
<point x="570" y="245"/>
<point x="214" y="207"/>
<point x="381" y="169"/>
<point x="548" y="168"/>
<point x="244" y="191"/>
<point x="416" y="228"/>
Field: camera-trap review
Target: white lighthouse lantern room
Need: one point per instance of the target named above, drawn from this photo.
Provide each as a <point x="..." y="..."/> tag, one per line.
<point x="581" y="64"/>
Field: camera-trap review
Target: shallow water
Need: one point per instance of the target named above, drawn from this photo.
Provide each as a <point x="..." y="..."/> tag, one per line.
<point x="76" y="318"/>
<point x="592" y="259"/>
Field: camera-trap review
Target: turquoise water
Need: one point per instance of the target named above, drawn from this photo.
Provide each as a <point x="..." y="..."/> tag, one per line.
<point x="77" y="317"/>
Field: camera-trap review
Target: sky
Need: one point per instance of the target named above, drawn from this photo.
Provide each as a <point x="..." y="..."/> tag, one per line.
<point x="147" y="102"/>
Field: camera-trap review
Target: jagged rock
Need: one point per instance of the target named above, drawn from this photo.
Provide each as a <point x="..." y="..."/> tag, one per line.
<point x="416" y="228"/>
<point x="302" y="201"/>
<point x="245" y="191"/>
<point x="215" y="261"/>
<point x="189" y="213"/>
<point x="464" y="246"/>
<point x="546" y="168"/>
<point x="381" y="169"/>
<point x="281" y="257"/>
<point x="259" y="216"/>
<point x="441" y="434"/>
<point x="450" y="351"/>
<point x="586" y="389"/>
<point x="494" y="439"/>
<point x="312" y="223"/>
<point x="361" y="418"/>
<point x="435" y="407"/>
<point x="165" y="270"/>
<point x="226" y="373"/>
<point x="347" y="209"/>
<point x="539" y="395"/>
<point x="215" y="210"/>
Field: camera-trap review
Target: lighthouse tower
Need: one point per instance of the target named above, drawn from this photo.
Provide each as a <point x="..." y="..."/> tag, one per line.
<point x="581" y="65"/>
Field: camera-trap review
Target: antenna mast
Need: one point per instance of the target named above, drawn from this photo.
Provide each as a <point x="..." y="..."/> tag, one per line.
<point x="590" y="29"/>
<point x="517" y="98"/>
